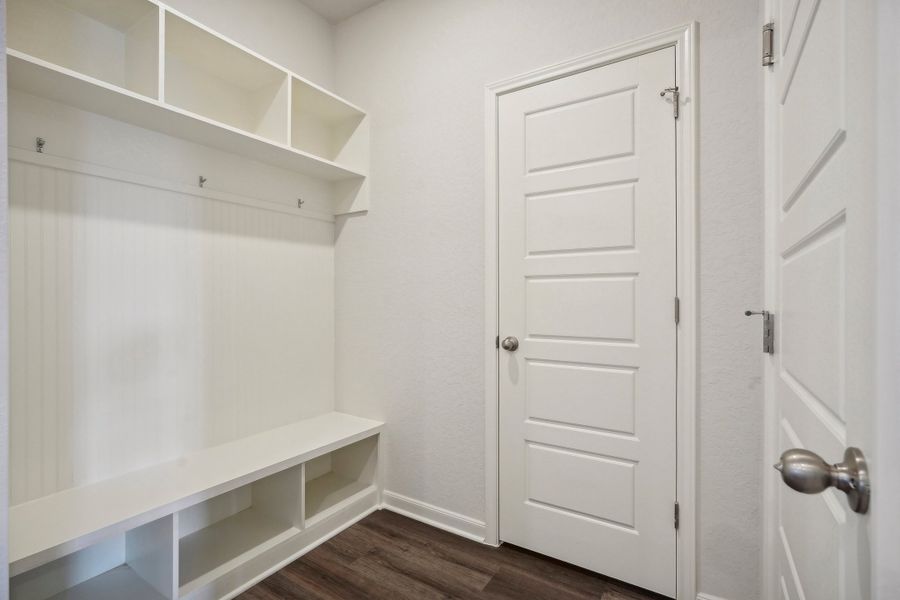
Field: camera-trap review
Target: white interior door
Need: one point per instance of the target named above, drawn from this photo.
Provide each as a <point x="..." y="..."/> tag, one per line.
<point x="820" y="117"/>
<point x="587" y="286"/>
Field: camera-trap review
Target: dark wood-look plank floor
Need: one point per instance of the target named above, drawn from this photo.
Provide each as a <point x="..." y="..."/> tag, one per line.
<point x="388" y="556"/>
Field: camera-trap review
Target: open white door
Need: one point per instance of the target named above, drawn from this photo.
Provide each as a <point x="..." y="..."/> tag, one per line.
<point x="820" y="121"/>
<point x="587" y="261"/>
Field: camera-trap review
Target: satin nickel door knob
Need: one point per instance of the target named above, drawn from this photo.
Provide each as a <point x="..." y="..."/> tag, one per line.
<point x="510" y="343"/>
<point x="807" y="473"/>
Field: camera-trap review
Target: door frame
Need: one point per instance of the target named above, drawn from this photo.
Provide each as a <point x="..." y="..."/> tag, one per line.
<point x="885" y="519"/>
<point x="770" y="486"/>
<point x="683" y="39"/>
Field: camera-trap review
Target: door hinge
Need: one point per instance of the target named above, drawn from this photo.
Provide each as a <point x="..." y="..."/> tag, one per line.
<point x="677" y="515"/>
<point x="768" y="329"/>
<point x="677" y="310"/>
<point x="676" y="98"/>
<point x="768" y="44"/>
<point x="497" y="342"/>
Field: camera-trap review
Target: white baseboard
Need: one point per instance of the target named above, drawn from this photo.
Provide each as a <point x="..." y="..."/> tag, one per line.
<point x="708" y="597"/>
<point x="434" y="516"/>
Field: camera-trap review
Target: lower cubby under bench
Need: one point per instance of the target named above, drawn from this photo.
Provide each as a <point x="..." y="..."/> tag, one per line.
<point x="206" y="526"/>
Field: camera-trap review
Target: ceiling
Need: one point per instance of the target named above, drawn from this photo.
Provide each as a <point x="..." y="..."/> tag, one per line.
<point x="338" y="10"/>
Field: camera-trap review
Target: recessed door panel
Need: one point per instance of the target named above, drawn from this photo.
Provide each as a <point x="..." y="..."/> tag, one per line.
<point x="581" y="221"/>
<point x="581" y="395"/>
<point x="812" y="300"/>
<point x="566" y="481"/>
<point x="580" y="132"/>
<point x="589" y="307"/>
<point x="813" y="113"/>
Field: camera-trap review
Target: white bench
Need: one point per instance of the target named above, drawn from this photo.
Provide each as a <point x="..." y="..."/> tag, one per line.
<point x="207" y="525"/>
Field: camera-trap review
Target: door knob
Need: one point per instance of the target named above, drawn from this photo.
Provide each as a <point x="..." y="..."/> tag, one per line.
<point x="806" y="472"/>
<point x="510" y="343"/>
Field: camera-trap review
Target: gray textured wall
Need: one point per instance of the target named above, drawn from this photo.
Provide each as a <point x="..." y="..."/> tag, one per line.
<point x="411" y="272"/>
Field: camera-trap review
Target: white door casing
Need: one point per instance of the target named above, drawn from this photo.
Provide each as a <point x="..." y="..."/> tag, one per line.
<point x="587" y="263"/>
<point x="820" y="224"/>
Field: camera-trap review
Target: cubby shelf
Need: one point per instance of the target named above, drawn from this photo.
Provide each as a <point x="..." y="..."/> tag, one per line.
<point x="115" y="584"/>
<point x="335" y="479"/>
<point x="114" y="42"/>
<point x="206" y="75"/>
<point x="328" y="492"/>
<point x="155" y="68"/>
<point x="213" y="551"/>
<point x="138" y="563"/>
<point x="232" y="529"/>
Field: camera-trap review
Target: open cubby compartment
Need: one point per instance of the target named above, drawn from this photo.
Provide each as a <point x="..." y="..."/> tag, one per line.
<point x="227" y="531"/>
<point x="212" y="78"/>
<point x="327" y="126"/>
<point x="335" y="479"/>
<point x="138" y="564"/>
<point x="115" y="42"/>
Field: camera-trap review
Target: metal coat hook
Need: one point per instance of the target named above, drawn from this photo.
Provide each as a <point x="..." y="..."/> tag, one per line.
<point x="202" y="180"/>
<point x="300" y="202"/>
<point x="39" y="144"/>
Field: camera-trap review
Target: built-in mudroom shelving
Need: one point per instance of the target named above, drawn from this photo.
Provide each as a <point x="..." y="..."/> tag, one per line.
<point x="207" y="516"/>
<point x="141" y="62"/>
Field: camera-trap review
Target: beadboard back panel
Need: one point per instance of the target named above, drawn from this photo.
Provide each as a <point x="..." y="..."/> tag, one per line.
<point x="148" y="322"/>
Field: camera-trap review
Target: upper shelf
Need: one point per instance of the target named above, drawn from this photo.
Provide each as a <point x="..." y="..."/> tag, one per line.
<point x="140" y="62"/>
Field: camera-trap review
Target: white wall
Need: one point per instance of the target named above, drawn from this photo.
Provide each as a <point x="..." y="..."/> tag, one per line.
<point x="149" y="320"/>
<point x="885" y="526"/>
<point x="410" y="274"/>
